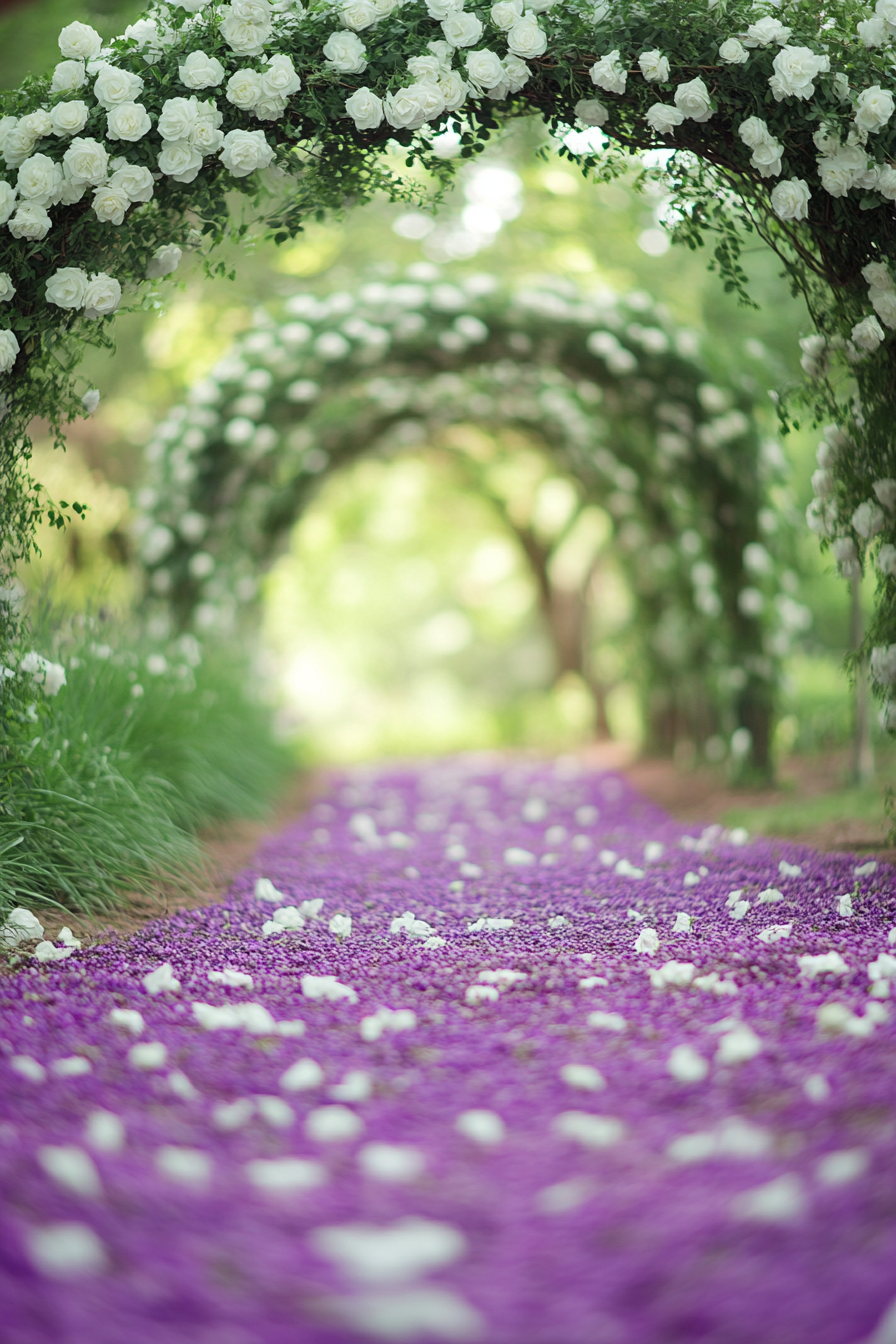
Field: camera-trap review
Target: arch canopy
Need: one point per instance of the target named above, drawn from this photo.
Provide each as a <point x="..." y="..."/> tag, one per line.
<point x="619" y="398"/>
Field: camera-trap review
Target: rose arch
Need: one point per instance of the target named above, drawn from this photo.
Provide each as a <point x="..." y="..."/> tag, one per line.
<point x="618" y="398"/>
<point x="776" y="121"/>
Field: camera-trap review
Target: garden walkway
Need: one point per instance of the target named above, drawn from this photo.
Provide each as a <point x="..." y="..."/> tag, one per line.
<point x="476" y="1052"/>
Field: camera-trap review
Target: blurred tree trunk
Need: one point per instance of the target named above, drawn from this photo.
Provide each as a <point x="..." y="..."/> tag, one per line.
<point x="862" y="745"/>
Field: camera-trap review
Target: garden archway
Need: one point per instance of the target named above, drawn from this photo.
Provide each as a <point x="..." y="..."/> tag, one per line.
<point x="787" y="130"/>
<point x="618" y="397"/>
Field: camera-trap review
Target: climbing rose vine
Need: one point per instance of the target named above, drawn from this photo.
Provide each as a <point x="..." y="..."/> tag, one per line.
<point x="777" y="119"/>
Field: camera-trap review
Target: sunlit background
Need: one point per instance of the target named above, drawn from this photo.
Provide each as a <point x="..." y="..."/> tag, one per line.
<point x="405" y="615"/>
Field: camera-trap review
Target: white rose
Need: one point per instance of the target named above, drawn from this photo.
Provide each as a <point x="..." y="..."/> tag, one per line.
<point x="795" y="69"/>
<point x="868" y="334"/>
<point x="841" y="170"/>
<point x="484" y="68"/>
<point x="266" y="109"/>
<point x="886" y="10"/>
<point x="873" y="32"/>
<point x="80" y="42"/>
<point x="69" y="118"/>
<point x="454" y="90"/>
<point x="874" y="108"/>
<point x="753" y="132"/>
<point x="67" y="288"/>
<point x="767" y="157"/>
<point x="516" y="74"/>
<point x="200" y="71"/>
<point x="9" y="348"/>
<point x="733" y="52"/>
<point x="36" y="124"/>
<point x="72" y="192"/>
<point x="17" y="145"/>
<point x="103" y="295"/>
<point x="767" y="31"/>
<point x="40" y="180"/>
<point x="840" y="87"/>
<point x="590" y="112"/>
<point x="790" y="199"/>
<point x="358" y="14"/>
<point x="180" y="160"/>
<point x="68" y="76"/>
<point x="505" y="13"/>
<point x="886" y="181"/>
<point x="693" y="100"/>
<point x="429" y="96"/>
<point x="246" y="26"/>
<point x="165" y="260"/>
<point x="136" y="182"/>
<point x="178" y="118"/>
<point x="85" y="161"/>
<point x="608" y="73"/>
<point x="886" y="560"/>
<point x="427" y="67"/>
<point x="442" y="51"/>
<point x="128" y="121"/>
<point x="403" y="108"/>
<point x="365" y="109"/>
<point x="150" y="38"/>
<point x="346" y="53"/>
<point x="868" y="519"/>
<point x="205" y="136"/>
<point x="663" y="119"/>
<point x="462" y="29"/>
<point x="883" y="301"/>
<point x="654" y="66"/>
<point x="7" y="201"/>
<point x="440" y="9"/>
<point x="114" y="86"/>
<point x="886" y="492"/>
<point x="30" y="221"/>
<point x="244" y="89"/>
<point x="527" y="39"/>
<point x="7" y="288"/>
<point x="244" y="151"/>
<point x="877" y="275"/>
<point x="110" y="204"/>
<point x="280" y="79"/>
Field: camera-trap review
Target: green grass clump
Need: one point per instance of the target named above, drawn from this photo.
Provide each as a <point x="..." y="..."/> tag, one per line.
<point x="104" y="784"/>
<point x="802" y="815"/>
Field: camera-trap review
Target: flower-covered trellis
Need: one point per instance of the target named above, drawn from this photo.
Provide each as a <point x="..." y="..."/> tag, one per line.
<point x="619" y="398"/>
<point x="781" y="115"/>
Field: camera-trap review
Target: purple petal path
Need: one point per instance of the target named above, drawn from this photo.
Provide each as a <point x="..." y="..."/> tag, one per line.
<point x="743" y="1194"/>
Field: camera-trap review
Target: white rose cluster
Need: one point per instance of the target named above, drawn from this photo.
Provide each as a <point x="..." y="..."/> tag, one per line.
<point x="265" y="92"/>
<point x="190" y="129"/>
<point x="246" y="26"/>
<point x="881" y="292"/>
<point x="766" y="149"/>
<point x="98" y="295"/>
<point x="842" y="167"/>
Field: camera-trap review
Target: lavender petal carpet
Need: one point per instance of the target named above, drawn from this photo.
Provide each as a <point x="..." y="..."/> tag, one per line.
<point x="474" y="1054"/>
